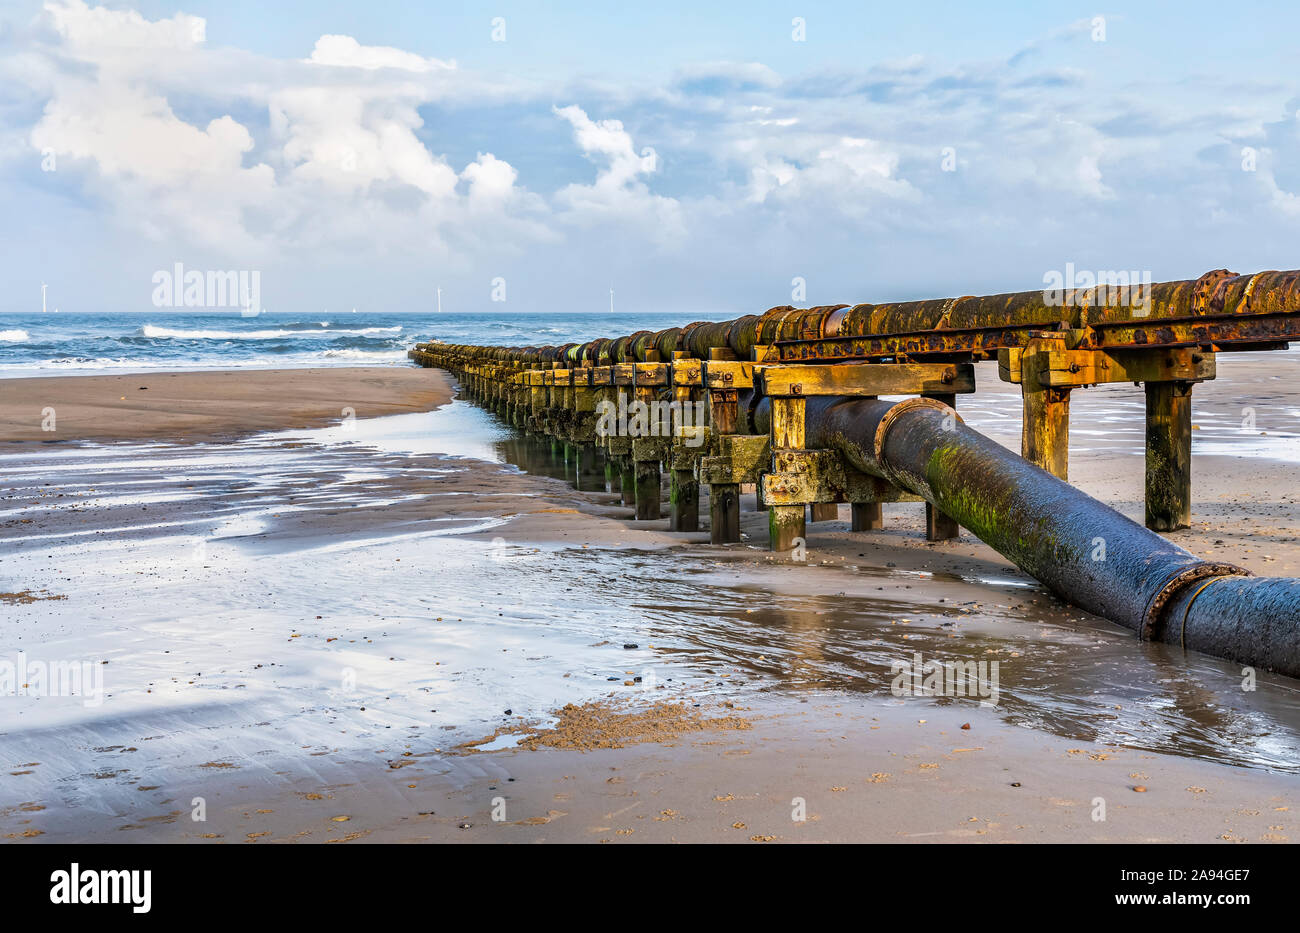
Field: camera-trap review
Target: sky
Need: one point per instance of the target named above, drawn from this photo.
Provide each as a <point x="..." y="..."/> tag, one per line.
<point x="716" y="159"/>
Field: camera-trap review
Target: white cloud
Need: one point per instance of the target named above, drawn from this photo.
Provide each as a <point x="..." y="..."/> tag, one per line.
<point x="164" y="171"/>
<point x="341" y="130"/>
<point x="345" y="51"/>
<point x="99" y="34"/>
<point x="793" y="170"/>
<point x="619" y="194"/>
<point x="369" y="151"/>
<point x="606" y="141"/>
<point x="349" y="138"/>
<point x="491" y="180"/>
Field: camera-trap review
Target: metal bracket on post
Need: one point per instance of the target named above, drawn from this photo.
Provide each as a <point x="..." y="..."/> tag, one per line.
<point x="834" y="481"/>
<point x="821" y="477"/>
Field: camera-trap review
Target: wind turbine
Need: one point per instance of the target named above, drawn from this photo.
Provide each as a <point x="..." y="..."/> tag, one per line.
<point x="43" y="287"/>
<point x="440" y="301"/>
<point x="611" y="301"/>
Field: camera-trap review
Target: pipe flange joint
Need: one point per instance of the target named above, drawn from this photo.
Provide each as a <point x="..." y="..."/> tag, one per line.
<point x="902" y="408"/>
<point x="1207" y="296"/>
<point x="1175" y="582"/>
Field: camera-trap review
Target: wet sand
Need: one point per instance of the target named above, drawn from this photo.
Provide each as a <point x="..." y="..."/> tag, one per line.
<point x="309" y="625"/>
<point x="205" y="405"/>
<point x="818" y="770"/>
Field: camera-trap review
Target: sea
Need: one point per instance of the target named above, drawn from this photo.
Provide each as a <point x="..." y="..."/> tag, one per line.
<point x="62" y="343"/>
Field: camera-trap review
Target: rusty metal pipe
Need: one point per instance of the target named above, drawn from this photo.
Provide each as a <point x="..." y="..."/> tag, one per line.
<point x="1084" y="551"/>
<point x="1219" y="308"/>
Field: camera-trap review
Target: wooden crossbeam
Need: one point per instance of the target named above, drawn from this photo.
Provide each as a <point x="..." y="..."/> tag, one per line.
<point x="866" y="379"/>
<point x="728" y="374"/>
<point x="1067" y="368"/>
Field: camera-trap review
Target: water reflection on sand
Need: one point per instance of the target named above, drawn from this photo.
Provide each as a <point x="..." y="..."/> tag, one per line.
<point x="268" y="601"/>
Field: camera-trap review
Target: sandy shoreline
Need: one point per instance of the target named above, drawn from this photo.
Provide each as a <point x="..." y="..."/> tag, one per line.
<point x="205" y="405"/>
<point x="456" y="589"/>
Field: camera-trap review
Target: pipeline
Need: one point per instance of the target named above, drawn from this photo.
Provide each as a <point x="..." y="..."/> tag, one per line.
<point x="1220" y="308"/>
<point x="1085" y="552"/>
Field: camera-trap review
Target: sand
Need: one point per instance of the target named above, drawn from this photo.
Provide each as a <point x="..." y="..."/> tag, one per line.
<point x="611" y="724"/>
<point x="822" y="771"/>
<point x="206" y="405"/>
<point x="473" y="601"/>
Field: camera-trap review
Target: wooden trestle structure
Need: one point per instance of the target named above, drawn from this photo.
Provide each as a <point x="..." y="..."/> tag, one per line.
<point x="1165" y="338"/>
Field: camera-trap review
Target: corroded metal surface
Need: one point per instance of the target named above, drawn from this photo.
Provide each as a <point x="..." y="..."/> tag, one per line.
<point x="1219" y="310"/>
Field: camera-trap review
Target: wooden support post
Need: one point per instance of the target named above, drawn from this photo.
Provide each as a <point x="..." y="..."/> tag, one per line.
<point x="733" y="459"/>
<point x="648" y="490"/>
<point x="786" y="523"/>
<point x="867" y="516"/>
<point x="1045" y="428"/>
<point x="823" y="512"/>
<point x="724" y="513"/>
<point x="684" y="491"/>
<point x="536" y="395"/>
<point x="938" y="526"/>
<point x="1169" y="455"/>
<point x="724" y="498"/>
<point x="627" y="481"/>
<point x="684" y="502"/>
<point x="1048" y="369"/>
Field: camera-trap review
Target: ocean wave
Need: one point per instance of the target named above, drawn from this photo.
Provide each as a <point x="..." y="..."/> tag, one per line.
<point x="351" y="354"/>
<point x="294" y="361"/>
<point x="13" y="336"/>
<point x="307" y="325"/>
<point x="154" y="331"/>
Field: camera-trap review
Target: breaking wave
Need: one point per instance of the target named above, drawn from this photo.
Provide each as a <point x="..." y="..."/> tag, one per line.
<point x="154" y="331"/>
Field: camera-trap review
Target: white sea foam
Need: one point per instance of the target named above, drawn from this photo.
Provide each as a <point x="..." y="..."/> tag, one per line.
<point x="354" y="354"/>
<point x="152" y="330"/>
<point x="68" y="365"/>
<point x="13" y="336"/>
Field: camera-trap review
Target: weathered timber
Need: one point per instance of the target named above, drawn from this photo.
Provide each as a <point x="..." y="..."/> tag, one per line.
<point x="867" y="379"/>
<point x="785" y="523"/>
<point x="1168" y="455"/>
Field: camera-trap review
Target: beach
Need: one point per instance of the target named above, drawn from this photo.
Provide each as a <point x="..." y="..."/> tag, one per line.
<point x="332" y="605"/>
<point x="205" y="405"/>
